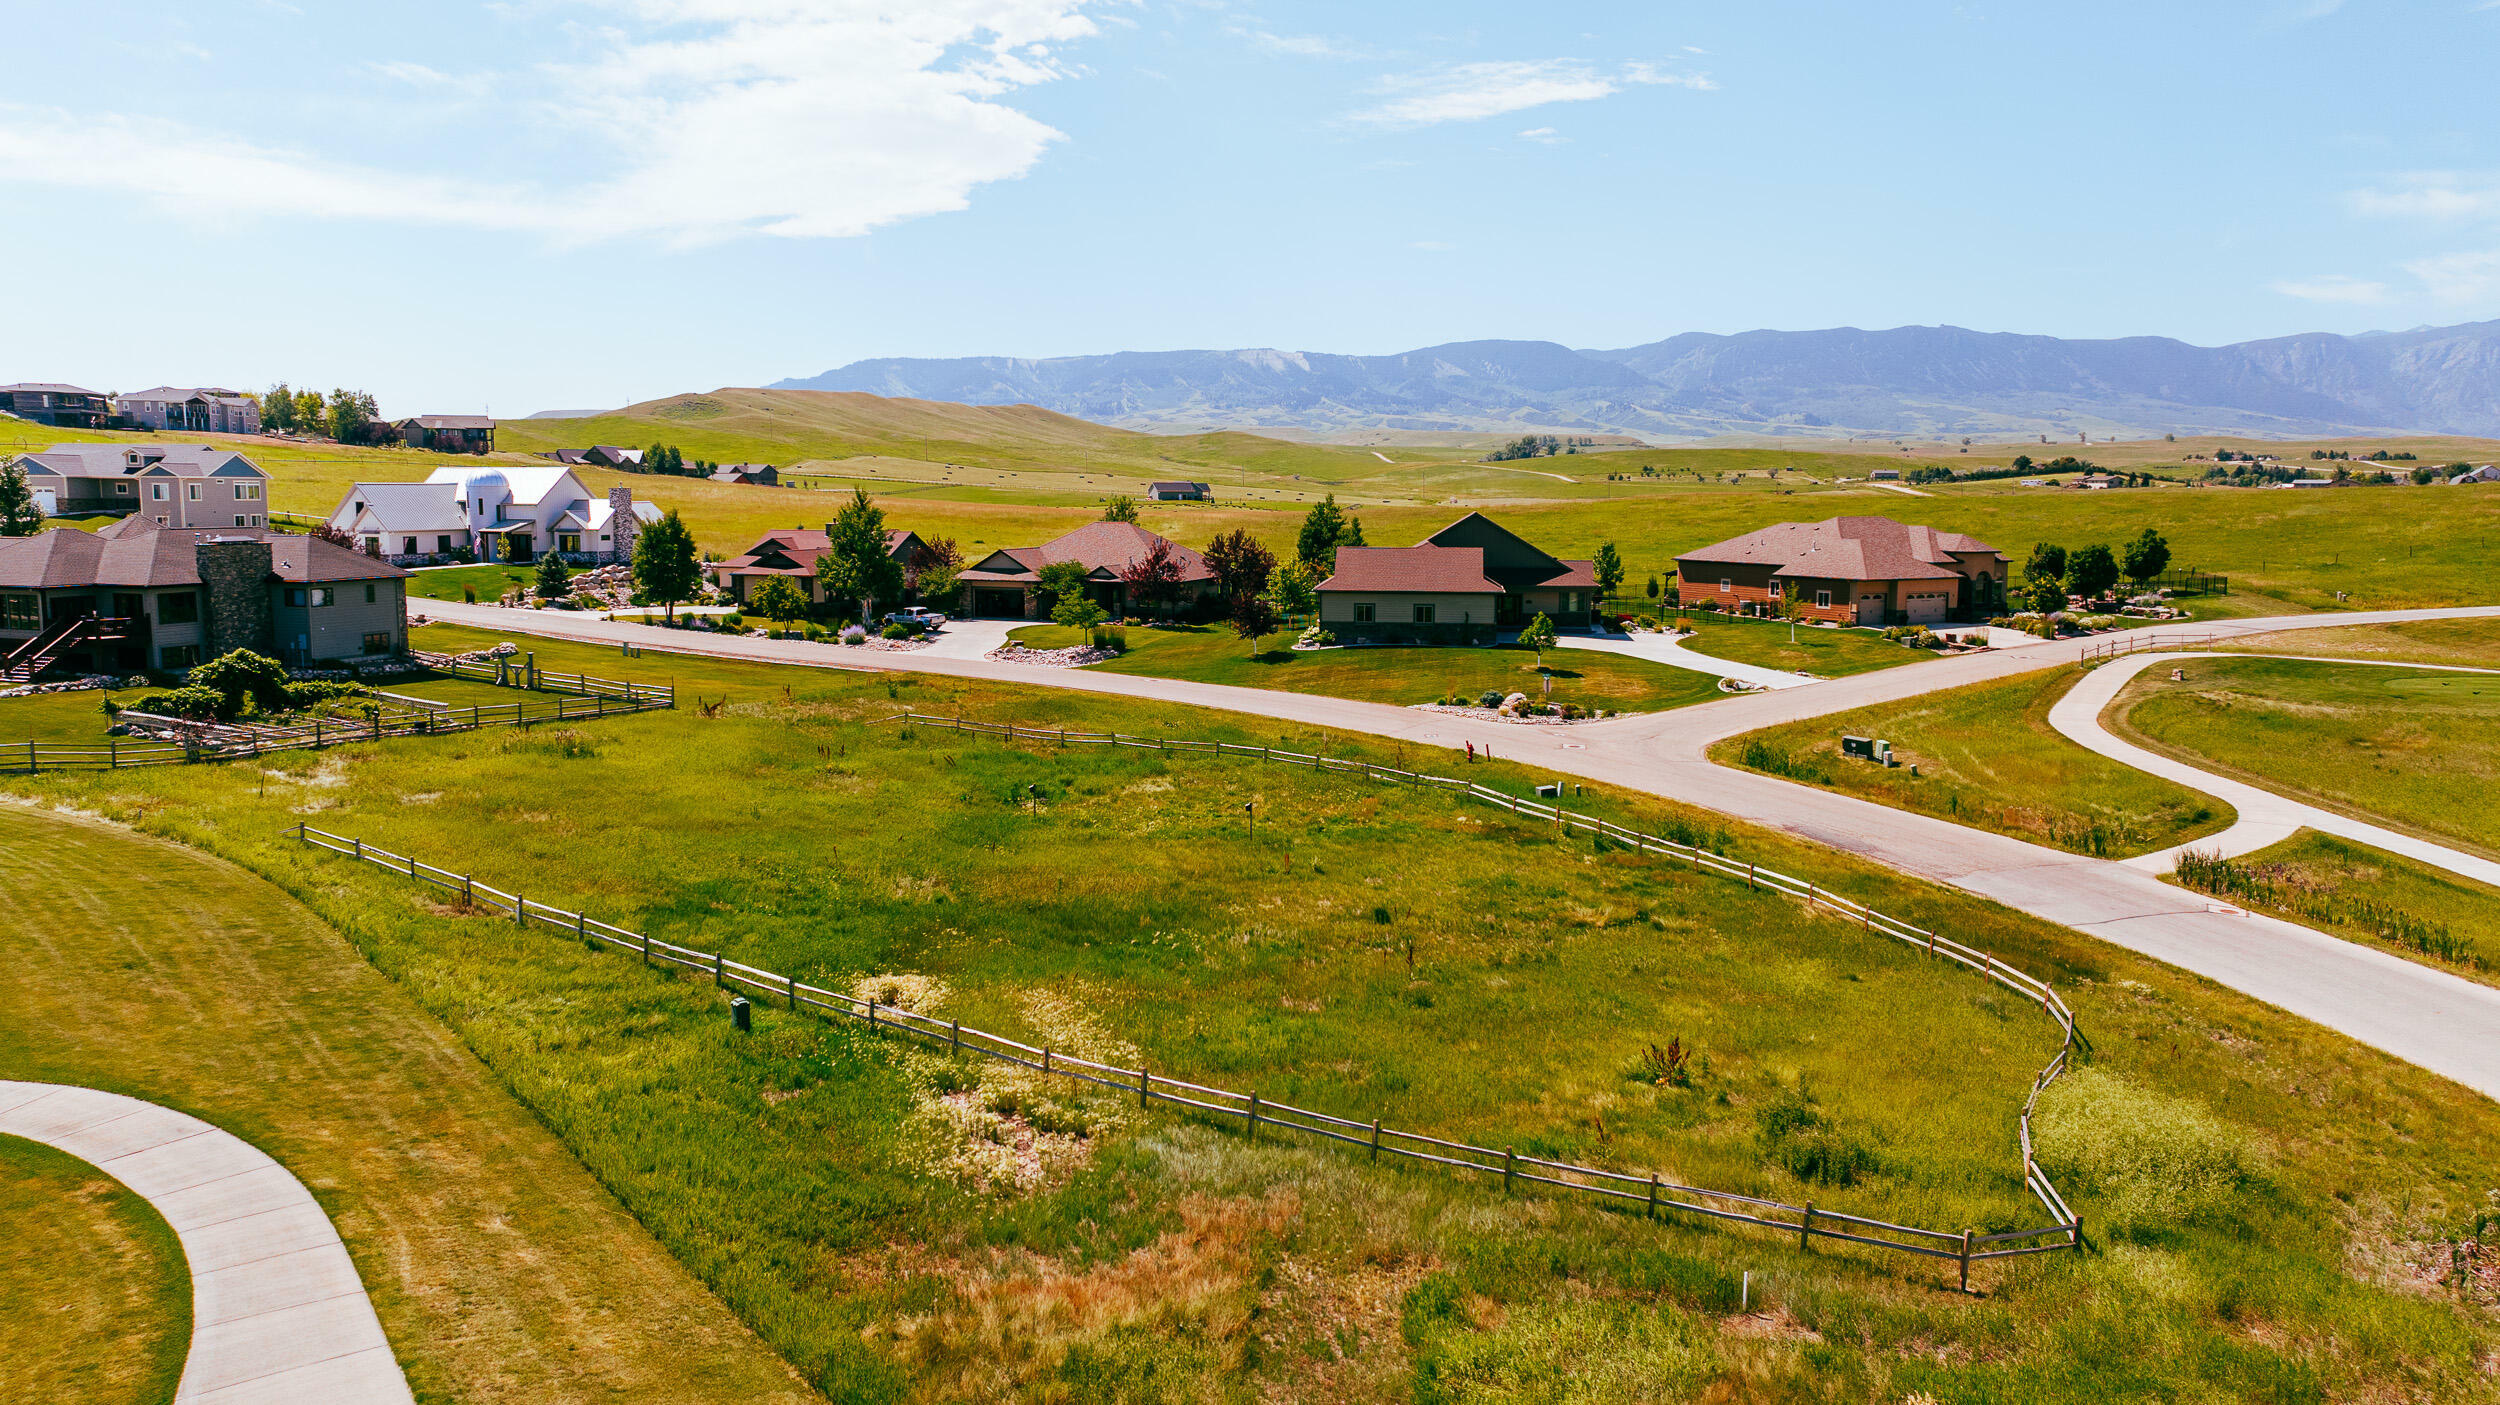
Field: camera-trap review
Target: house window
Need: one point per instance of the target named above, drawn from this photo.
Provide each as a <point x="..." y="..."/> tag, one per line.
<point x="179" y="607"/>
<point x="1726" y="585"/>
<point x="568" y="541"/>
<point x="257" y="522"/>
<point x="247" y="492"/>
<point x="174" y="656"/>
<point x="408" y="546"/>
<point x="122" y="488"/>
<point x="301" y="597"/>
<point x="377" y="643"/>
<point x="242" y="520"/>
<point x="192" y="491"/>
<point x="1423" y="614"/>
<point x="1823" y="599"/>
<point x="295" y="597"/>
<point x="368" y="592"/>
<point x="156" y="493"/>
<point x="443" y="542"/>
<point x="1775" y="589"/>
<point x="22" y="611"/>
<point x="1365" y="614"/>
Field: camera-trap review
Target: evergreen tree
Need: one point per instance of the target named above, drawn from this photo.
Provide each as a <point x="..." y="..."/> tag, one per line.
<point x="856" y="564"/>
<point x="1325" y="528"/>
<point x="1607" y="566"/>
<point x="20" y="516"/>
<point x="554" y="581"/>
<point x="1121" y="508"/>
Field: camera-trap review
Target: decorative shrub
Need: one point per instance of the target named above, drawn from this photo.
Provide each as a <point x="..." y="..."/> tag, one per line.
<point x="854" y="634"/>
<point x="1490" y="697"/>
<point x="191" y="701"/>
<point x="898" y="630"/>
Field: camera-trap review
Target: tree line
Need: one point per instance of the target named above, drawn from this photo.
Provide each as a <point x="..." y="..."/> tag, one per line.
<point x="2052" y="574"/>
<point x="348" y="416"/>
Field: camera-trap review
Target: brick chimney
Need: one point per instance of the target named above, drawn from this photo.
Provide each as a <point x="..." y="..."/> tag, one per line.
<point x="623" y="526"/>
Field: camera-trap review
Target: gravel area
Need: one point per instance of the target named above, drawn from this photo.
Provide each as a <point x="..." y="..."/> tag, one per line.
<point x="1052" y="658"/>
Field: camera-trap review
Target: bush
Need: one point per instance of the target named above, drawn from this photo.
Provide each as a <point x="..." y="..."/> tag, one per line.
<point x="1791" y="1131"/>
<point x="2153" y="1159"/>
<point x="192" y="701"/>
<point x="1490" y="697"/>
<point x="854" y="634"/>
<point x="897" y="630"/>
<point x="734" y="620"/>
<point x="319" y="690"/>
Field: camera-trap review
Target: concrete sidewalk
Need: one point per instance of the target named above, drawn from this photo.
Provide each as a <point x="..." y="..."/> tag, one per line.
<point x="2264" y="817"/>
<point x="278" y="1315"/>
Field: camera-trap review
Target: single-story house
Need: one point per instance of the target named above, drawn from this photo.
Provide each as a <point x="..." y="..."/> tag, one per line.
<point x="60" y="406"/>
<point x="2488" y="473"/>
<point x="1179" y="492"/>
<point x="758" y="474"/>
<point x="137" y="595"/>
<point x="1849" y="570"/>
<point x="1006" y="584"/>
<point x="173" y="485"/>
<point x="493" y="514"/>
<point x="1884" y="475"/>
<point x="610" y="456"/>
<point x="570" y="458"/>
<point x="793" y="554"/>
<point x="2312" y="483"/>
<point x="448" y="434"/>
<point x="1461" y="584"/>
<point x="191" y="410"/>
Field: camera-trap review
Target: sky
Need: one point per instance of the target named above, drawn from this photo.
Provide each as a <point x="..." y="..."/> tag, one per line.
<point x="556" y="204"/>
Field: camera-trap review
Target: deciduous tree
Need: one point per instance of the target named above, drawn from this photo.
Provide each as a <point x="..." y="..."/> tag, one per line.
<point x="2091" y="571"/>
<point x="856" y="564"/>
<point x="932" y="574"/>
<point x="1293" y="590"/>
<point x="1607" y="565"/>
<point x="1241" y="564"/>
<point x="1154" y="577"/>
<point x="1254" y="618"/>
<point x="778" y="600"/>
<point x="1062" y="581"/>
<point x="666" y="567"/>
<point x="1538" y="635"/>
<point x="1121" y="508"/>
<point x="2145" y="557"/>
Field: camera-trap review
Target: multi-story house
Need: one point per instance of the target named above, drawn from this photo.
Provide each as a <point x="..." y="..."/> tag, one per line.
<point x="173" y="485"/>
<point x="195" y="410"/>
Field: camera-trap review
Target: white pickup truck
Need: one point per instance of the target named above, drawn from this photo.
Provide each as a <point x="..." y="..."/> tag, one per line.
<point x="920" y="615"/>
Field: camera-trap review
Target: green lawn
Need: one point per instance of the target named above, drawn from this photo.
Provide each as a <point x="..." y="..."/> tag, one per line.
<point x="1825" y="653"/>
<point x="95" y="1296"/>
<point x="501" y="1270"/>
<point x="1214" y="654"/>
<point x="1374" y="952"/>
<point x="1985" y="756"/>
<point x="2419" y="912"/>
<point x="2415" y="749"/>
<point x="486" y="583"/>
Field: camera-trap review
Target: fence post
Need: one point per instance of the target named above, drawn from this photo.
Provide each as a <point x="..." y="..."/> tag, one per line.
<point x="1749" y="878"/>
<point x="1144" y="1082"/>
<point x="1966" y="1261"/>
<point x="1045" y="1060"/>
<point x="1510" y="1167"/>
<point x="360" y="851"/>
<point x="1653" y="1195"/>
<point x="955" y="1038"/>
<point x="719" y="978"/>
<point x="872" y="1012"/>
<point x="1254" y="1113"/>
<point x="646" y="948"/>
<point x="113" y="749"/>
<point x="520" y="910"/>
<point x="794" y="995"/>
<point x="1375" y="1139"/>
<point x="1805" y="1228"/>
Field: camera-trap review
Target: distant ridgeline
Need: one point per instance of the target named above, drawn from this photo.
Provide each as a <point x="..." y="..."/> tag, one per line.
<point x="1915" y="381"/>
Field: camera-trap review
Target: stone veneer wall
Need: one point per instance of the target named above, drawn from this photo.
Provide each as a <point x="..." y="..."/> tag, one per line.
<point x="234" y="586"/>
<point x="623" y="526"/>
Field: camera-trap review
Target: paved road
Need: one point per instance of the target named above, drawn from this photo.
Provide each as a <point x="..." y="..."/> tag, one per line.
<point x="2265" y="817"/>
<point x="1662" y="648"/>
<point x="2425" y="1016"/>
<point x="278" y="1315"/>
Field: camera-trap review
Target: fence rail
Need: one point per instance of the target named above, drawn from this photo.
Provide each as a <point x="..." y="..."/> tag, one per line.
<point x="1651" y="1194"/>
<point x="573" y="699"/>
<point x="2140" y="641"/>
<point x="522" y="671"/>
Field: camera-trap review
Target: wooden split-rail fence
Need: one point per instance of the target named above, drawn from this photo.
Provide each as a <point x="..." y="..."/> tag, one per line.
<point x="572" y="697"/>
<point x="2139" y="641"/>
<point x="1648" y="1194"/>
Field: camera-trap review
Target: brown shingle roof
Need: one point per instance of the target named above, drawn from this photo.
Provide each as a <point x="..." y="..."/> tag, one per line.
<point x="1097" y="546"/>
<point x="1846" y="548"/>
<point x="1412" y="570"/>
<point x="137" y="552"/>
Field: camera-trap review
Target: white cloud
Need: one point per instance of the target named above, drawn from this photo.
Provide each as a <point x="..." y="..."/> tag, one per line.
<point x="1469" y="92"/>
<point x="2460" y="278"/>
<point x="700" y="120"/>
<point x="2432" y="195"/>
<point x="1301" y="46"/>
<point x="2333" y="287"/>
<point x="1546" y="135"/>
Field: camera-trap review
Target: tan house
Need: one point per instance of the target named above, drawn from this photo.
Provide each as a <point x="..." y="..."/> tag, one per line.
<point x="173" y="485"/>
<point x="136" y="595"/>
<point x="792" y="554"/>
<point x="1849" y="570"/>
<point x="1006" y="584"/>
<point x="1462" y="584"/>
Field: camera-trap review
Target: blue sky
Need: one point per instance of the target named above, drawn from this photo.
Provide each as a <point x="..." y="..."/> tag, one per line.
<point x="539" y="204"/>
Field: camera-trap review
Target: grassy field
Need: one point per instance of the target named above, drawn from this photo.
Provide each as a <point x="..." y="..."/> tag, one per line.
<point x="1986" y="757"/>
<point x="486" y="583"/>
<point x="2385" y="900"/>
<point x="1214" y="654"/>
<point x="501" y="1270"/>
<point x="1825" y="653"/>
<point x="97" y="1295"/>
<point x="2472" y="643"/>
<point x="2418" y="750"/>
<point x="902" y="1227"/>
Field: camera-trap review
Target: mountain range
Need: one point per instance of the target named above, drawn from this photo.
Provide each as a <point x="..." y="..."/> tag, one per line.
<point x="1909" y="382"/>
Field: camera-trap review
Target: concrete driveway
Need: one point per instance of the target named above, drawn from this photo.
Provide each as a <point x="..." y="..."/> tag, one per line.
<point x="2427" y="1017"/>
<point x="1664" y="649"/>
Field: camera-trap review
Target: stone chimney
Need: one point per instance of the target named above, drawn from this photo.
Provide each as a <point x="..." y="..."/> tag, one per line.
<point x="623" y="526"/>
<point x="234" y="586"/>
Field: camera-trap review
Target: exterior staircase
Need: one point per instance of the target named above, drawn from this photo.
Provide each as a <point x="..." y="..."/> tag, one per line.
<point x="35" y="655"/>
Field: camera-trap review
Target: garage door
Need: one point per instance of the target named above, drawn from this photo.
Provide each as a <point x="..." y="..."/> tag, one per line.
<point x="1924" y="607"/>
<point x="998" y="604"/>
<point x="1870" y="610"/>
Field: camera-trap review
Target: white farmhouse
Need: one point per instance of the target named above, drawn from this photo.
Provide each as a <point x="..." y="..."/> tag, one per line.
<point x="492" y="514"/>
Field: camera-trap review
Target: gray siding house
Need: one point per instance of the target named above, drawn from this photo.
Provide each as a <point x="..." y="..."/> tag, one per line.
<point x="175" y="485"/>
<point x="191" y="410"/>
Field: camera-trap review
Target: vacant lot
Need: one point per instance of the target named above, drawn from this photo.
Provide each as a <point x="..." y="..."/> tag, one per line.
<point x="1214" y="654"/>
<point x="95" y="1297"/>
<point x="485" y="583"/>
<point x="904" y="1227"/>
<point x="500" y="1269"/>
<point x="1985" y="756"/>
<point x="1825" y="653"/>
<point x="2415" y="749"/>
<point x="2391" y="902"/>
<point x="2471" y="643"/>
